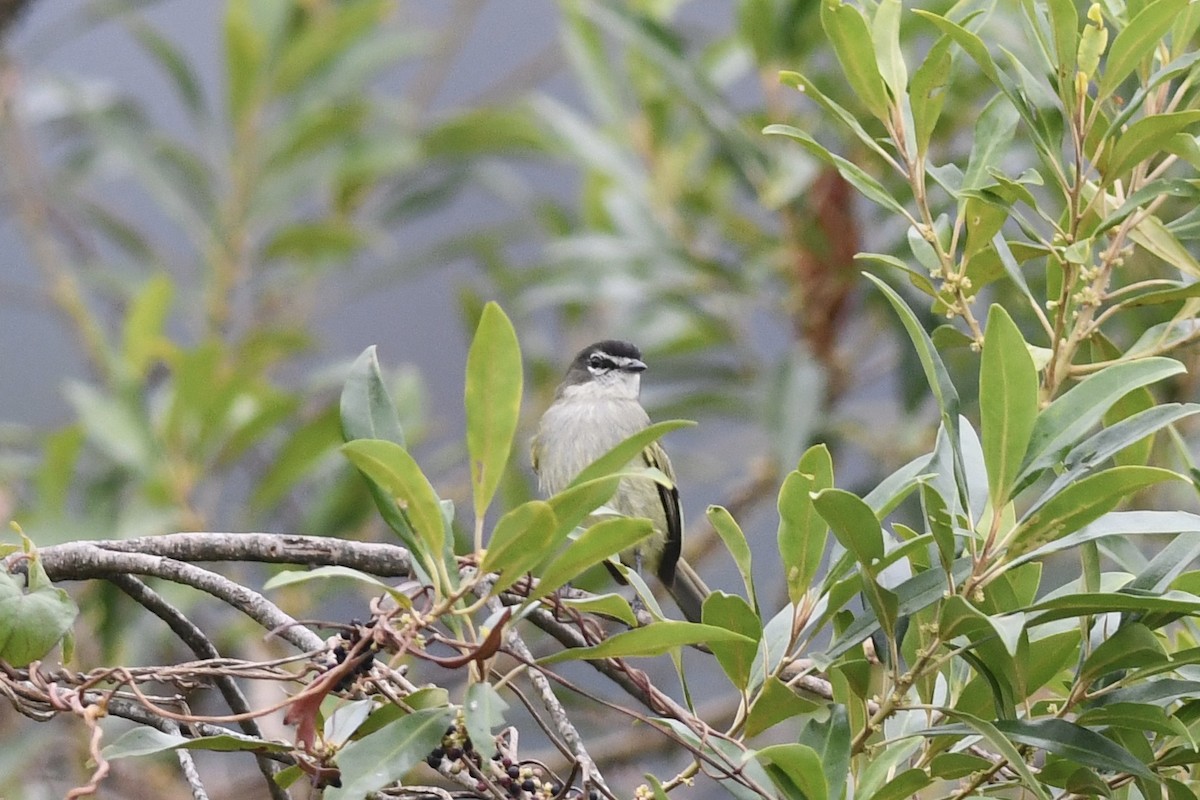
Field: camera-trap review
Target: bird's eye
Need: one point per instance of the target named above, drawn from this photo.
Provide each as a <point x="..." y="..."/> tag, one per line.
<point x="597" y="361"/>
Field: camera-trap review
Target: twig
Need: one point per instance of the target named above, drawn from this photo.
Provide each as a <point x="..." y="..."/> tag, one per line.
<point x="84" y="560"/>
<point x="202" y="646"/>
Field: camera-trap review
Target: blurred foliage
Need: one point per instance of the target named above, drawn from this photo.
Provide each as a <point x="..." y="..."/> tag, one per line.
<point x="1036" y="159"/>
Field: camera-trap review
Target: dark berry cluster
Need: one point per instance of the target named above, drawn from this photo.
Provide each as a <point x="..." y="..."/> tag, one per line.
<point x="365" y="659"/>
<point x="519" y="781"/>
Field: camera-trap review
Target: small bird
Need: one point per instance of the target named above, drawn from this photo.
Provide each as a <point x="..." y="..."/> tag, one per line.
<point x="595" y="408"/>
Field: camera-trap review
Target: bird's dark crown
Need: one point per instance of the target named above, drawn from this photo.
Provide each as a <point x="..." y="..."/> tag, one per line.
<point x="609" y="347"/>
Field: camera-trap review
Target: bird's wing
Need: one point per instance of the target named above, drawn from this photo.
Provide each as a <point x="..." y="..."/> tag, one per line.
<point x="655" y="456"/>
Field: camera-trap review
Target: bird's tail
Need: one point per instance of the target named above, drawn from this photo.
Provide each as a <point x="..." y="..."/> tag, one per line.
<point x="689" y="590"/>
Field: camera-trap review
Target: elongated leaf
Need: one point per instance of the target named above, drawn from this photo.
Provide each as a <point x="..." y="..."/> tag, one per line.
<point x="907" y="783"/>
<point x="1137" y="41"/>
<point x="386" y="755"/>
<point x="733" y="613"/>
<point x="1121" y="523"/>
<point x="606" y="538"/>
<point x="1081" y="503"/>
<point x="1066" y="739"/>
<point x="1146" y="138"/>
<point x="830" y="738"/>
<point x="1008" y="401"/>
<point x="367" y="410"/>
<point x="855" y="175"/>
<point x="853" y="523"/>
<point x="572" y="505"/>
<point x="483" y="712"/>
<point x="993" y="132"/>
<point x="927" y="91"/>
<point x="142" y="333"/>
<point x="144" y="741"/>
<point x="968" y="41"/>
<point x="996" y="740"/>
<point x="397" y="474"/>
<point x="774" y="704"/>
<point x="1078" y="605"/>
<point x="520" y="541"/>
<point x="493" y="401"/>
<point x="620" y="456"/>
<point x="1109" y="442"/>
<point x="652" y="640"/>
<point x="291" y="577"/>
<point x="802" y="532"/>
<point x="1133" y="645"/>
<point x="796" y="770"/>
<point x="735" y="542"/>
<point x="885" y="37"/>
<point x="811" y="90"/>
<point x="1068" y="418"/>
<point x="851" y="39"/>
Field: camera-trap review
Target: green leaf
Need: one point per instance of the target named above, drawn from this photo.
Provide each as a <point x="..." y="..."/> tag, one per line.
<point x="620" y="456"/>
<point x="802" y="532"/>
<point x="32" y="622"/>
<point x="830" y="739"/>
<point x="855" y="175"/>
<point x="847" y="31"/>
<point x="993" y="132"/>
<point x="172" y="63"/>
<point x="1120" y="523"/>
<point x="1078" y="605"/>
<point x="493" y="401"/>
<point x="885" y="38"/>
<point x="367" y="410"/>
<point x="608" y="605"/>
<point x="735" y="542"/>
<point x="245" y="50"/>
<point x="115" y="428"/>
<point x="292" y="577"/>
<point x="1008" y="401"/>
<point x="391" y="467"/>
<point x="1137" y="41"/>
<point x="520" y="541"/>
<point x="853" y="523"/>
<point x="313" y="241"/>
<point x="935" y="370"/>
<point x="573" y="504"/>
<point x="1081" y="503"/>
<point x="483" y="711"/>
<point x="651" y="640"/>
<point x="1145" y="139"/>
<point x="831" y="107"/>
<point x="303" y="451"/>
<point x="970" y="42"/>
<point x="1064" y="22"/>
<point x="1133" y="645"/>
<point x="997" y="741"/>
<point x="385" y="756"/>
<point x="732" y="613"/>
<point x="145" y="741"/>
<point x="907" y="783"/>
<point x="775" y="703"/>
<point x="1068" y="418"/>
<point x="606" y="538"/>
<point x="927" y="91"/>
<point x="795" y="770"/>
<point x="1066" y="739"/>
<point x="142" y="337"/>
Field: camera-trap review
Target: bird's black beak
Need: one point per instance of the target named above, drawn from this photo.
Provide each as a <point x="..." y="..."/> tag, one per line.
<point x="634" y="365"/>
